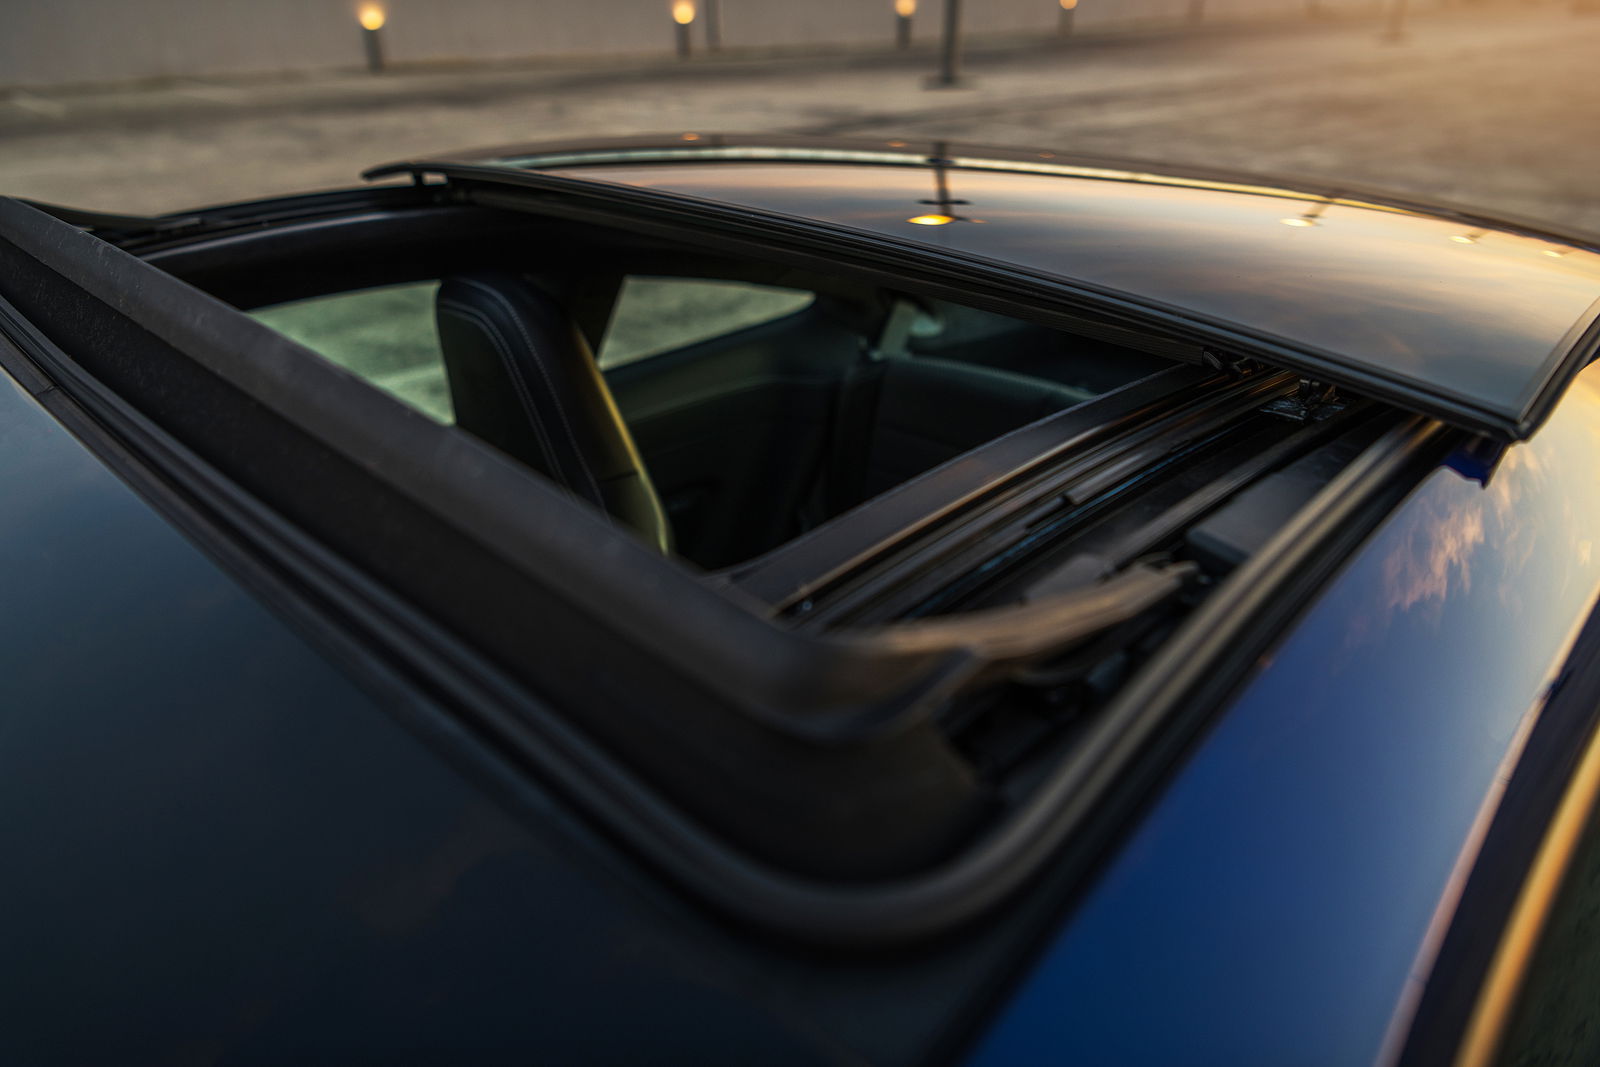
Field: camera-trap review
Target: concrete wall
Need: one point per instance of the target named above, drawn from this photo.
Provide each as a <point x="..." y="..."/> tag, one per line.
<point x="58" y="42"/>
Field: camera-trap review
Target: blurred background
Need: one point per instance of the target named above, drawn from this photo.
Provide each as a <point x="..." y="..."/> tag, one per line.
<point x="158" y="105"/>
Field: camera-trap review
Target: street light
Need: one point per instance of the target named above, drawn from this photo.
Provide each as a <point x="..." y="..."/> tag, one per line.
<point x="713" y="26"/>
<point x="682" y="16"/>
<point x="950" y="52"/>
<point x="372" y="17"/>
<point x="903" y="10"/>
<point x="943" y="203"/>
<point x="1064" y="27"/>
<point x="1395" y="31"/>
<point x="1312" y="216"/>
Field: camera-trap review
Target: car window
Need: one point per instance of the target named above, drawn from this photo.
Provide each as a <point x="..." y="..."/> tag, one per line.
<point x="656" y="315"/>
<point x="385" y="335"/>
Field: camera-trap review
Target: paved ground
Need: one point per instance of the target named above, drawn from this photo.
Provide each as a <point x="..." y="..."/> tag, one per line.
<point x="1498" y="107"/>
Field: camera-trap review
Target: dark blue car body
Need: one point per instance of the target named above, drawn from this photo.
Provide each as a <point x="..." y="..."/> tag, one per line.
<point x="239" y="828"/>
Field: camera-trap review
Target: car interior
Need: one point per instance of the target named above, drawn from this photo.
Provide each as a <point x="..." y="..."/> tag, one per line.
<point x="716" y="407"/>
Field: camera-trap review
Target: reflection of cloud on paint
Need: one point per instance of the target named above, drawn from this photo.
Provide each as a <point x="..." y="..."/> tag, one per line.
<point x="1434" y="555"/>
<point x="1449" y="536"/>
<point x="1515" y="546"/>
<point x="1515" y="540"/>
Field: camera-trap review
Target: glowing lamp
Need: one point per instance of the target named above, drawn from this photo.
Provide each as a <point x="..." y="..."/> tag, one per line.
<point x="372" y="17"/>
<point x="930" y="220"/>
<point x="1064" y="26"/>
<point x="903" y="10"/>
<point x="683" y="12"/>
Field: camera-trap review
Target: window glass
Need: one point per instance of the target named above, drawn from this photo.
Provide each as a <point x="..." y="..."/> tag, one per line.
<point x="656" y="315"/>
<point x="386" y="335"/>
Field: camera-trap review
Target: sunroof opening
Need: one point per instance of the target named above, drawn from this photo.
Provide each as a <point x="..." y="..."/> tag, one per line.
<point x="946" y="546"/>
<point x="758" y="410"/>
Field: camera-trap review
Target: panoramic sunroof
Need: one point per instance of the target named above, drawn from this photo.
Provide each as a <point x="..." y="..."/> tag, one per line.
<point x="1467" y="320"/>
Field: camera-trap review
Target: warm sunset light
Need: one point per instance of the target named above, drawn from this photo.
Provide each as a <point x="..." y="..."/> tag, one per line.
<point x="905" y="8"/>
<point x="930" y="220"/>
<point x="1068" y="5"/>
<point x="683" y="12"/>
<point x="371" y="16"/>
<point x="689" y="137"/>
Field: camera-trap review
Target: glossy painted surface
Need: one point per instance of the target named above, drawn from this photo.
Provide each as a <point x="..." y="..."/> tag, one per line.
<point x="233" y="856"/>
<point x="1469" y="310"/>
<point x="1270" y="909"/>
<point x="218" y="850"/>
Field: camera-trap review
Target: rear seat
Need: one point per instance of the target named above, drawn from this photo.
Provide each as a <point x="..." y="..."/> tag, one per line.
<point x="903" y="415"/>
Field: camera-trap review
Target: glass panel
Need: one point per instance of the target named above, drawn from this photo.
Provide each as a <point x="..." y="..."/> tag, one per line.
<point x="386" y="335"/>
<point x="656" y="315"/>
<point x="1472" y="315"/>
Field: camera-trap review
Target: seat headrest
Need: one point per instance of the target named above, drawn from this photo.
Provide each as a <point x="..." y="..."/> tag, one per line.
<point x="523" y="379"/>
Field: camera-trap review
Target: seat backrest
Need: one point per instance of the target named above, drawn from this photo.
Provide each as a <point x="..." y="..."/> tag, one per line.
<point x="907" y="414"/>
<point x="523" y="379"/>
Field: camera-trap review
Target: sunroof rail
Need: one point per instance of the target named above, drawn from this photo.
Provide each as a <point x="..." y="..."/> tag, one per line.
<point x="800" y="569"/>
<point x="884" y="586"/>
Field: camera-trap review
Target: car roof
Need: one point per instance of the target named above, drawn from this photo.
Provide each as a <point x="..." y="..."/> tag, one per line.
<point x="1474" y="319"/>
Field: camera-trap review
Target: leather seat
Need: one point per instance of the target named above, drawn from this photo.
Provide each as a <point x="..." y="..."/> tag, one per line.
<point x="903" y="415"/>
<point x="523" y="379"/>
